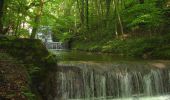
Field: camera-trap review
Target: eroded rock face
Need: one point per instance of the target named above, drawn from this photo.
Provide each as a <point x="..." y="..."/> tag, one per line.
<point x="94" y="80"/>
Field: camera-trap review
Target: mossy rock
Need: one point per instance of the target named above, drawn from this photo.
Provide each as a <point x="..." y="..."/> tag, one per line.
<point x="29" y="50"/>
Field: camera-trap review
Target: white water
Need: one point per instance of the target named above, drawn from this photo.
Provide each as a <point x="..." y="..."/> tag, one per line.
<point x="108" y="82"/>
<point x="166" y="97"/>
<point x="55" y="46"/>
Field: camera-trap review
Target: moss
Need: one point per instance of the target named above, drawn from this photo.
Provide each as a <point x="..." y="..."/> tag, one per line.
<point x="35" y="56"/>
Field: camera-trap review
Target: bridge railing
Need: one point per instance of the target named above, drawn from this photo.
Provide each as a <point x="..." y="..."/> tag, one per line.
<point x="56" y="45"/>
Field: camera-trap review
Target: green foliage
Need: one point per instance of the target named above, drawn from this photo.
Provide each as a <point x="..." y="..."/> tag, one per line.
<point x="98" y="25"/>
<point x="64" y="28"/>
<point x="146" y="16"/>
<point x="23" y="33"/>
<point x="28" y="93"/>
<point x="76" y="19"/>
<point x="33" y="69"/>
<point x="140" y="47"/>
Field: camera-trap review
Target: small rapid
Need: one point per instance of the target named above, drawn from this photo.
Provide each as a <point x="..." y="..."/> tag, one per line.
<point x="83" y="80"/>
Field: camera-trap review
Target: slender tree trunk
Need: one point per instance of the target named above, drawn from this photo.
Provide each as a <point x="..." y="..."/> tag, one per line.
<point x="79" y="10"/>
<point x="97" y="7"/>
<point x="1" y="7"/>
<point x="82" y="11"/>
<point x="107" y="12"/>
<point x="18" y="22"/>
<point x="107" y="7"/>
<point x="101" y="8"/>
<point x="116" y="30"/>
<point x="37" y="19"/>
<point x="1" y="15"/>
<point x="35" y="27"/>
<point x="80" y="6"/>
<point x="118" y="15"/>
<point x="87" y="14"/>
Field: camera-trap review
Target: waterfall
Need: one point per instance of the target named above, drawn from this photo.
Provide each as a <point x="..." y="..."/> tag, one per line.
<point x="55" y="45"/>
<point x="111" y="81"/>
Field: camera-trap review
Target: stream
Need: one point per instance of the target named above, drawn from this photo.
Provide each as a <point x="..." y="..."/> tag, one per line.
<point x="90" y="76"/>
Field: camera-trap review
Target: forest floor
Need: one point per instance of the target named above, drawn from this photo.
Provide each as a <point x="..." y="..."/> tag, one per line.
<point x="14" y="80"/>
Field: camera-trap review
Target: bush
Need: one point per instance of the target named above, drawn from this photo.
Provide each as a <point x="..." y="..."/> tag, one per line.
<point x="149" y="47"/>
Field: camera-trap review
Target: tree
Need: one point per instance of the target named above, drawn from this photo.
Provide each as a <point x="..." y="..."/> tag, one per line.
<point x="1" y="15"/>
<point x="141" y="1"/>
<point x="87" y="14"/>
<point x="81" y="18"/>
<point x="38" y="14"/>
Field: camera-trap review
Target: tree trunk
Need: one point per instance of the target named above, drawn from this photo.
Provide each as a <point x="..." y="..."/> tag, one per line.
<point x="141" y="1"/>
<point x="18" y="22"/>
<point x="87" y="14"/>
<point x="108" y="3"/>
<point x="35" y="27"/>
<point x="118" y="16"/>
<point x="37" y="19"/>
<point x="82" y="11"/>
<point x="1" y="15"/>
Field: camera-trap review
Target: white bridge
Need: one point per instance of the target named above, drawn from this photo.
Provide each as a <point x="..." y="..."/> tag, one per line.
<point x="56" y="45"/>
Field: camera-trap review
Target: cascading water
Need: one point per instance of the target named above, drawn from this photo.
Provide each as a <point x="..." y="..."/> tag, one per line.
<point x="55" y="45"/>
<point x="96" y="81"/>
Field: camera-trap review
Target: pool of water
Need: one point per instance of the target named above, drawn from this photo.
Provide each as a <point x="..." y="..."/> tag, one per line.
<point x="89" y="56"/>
